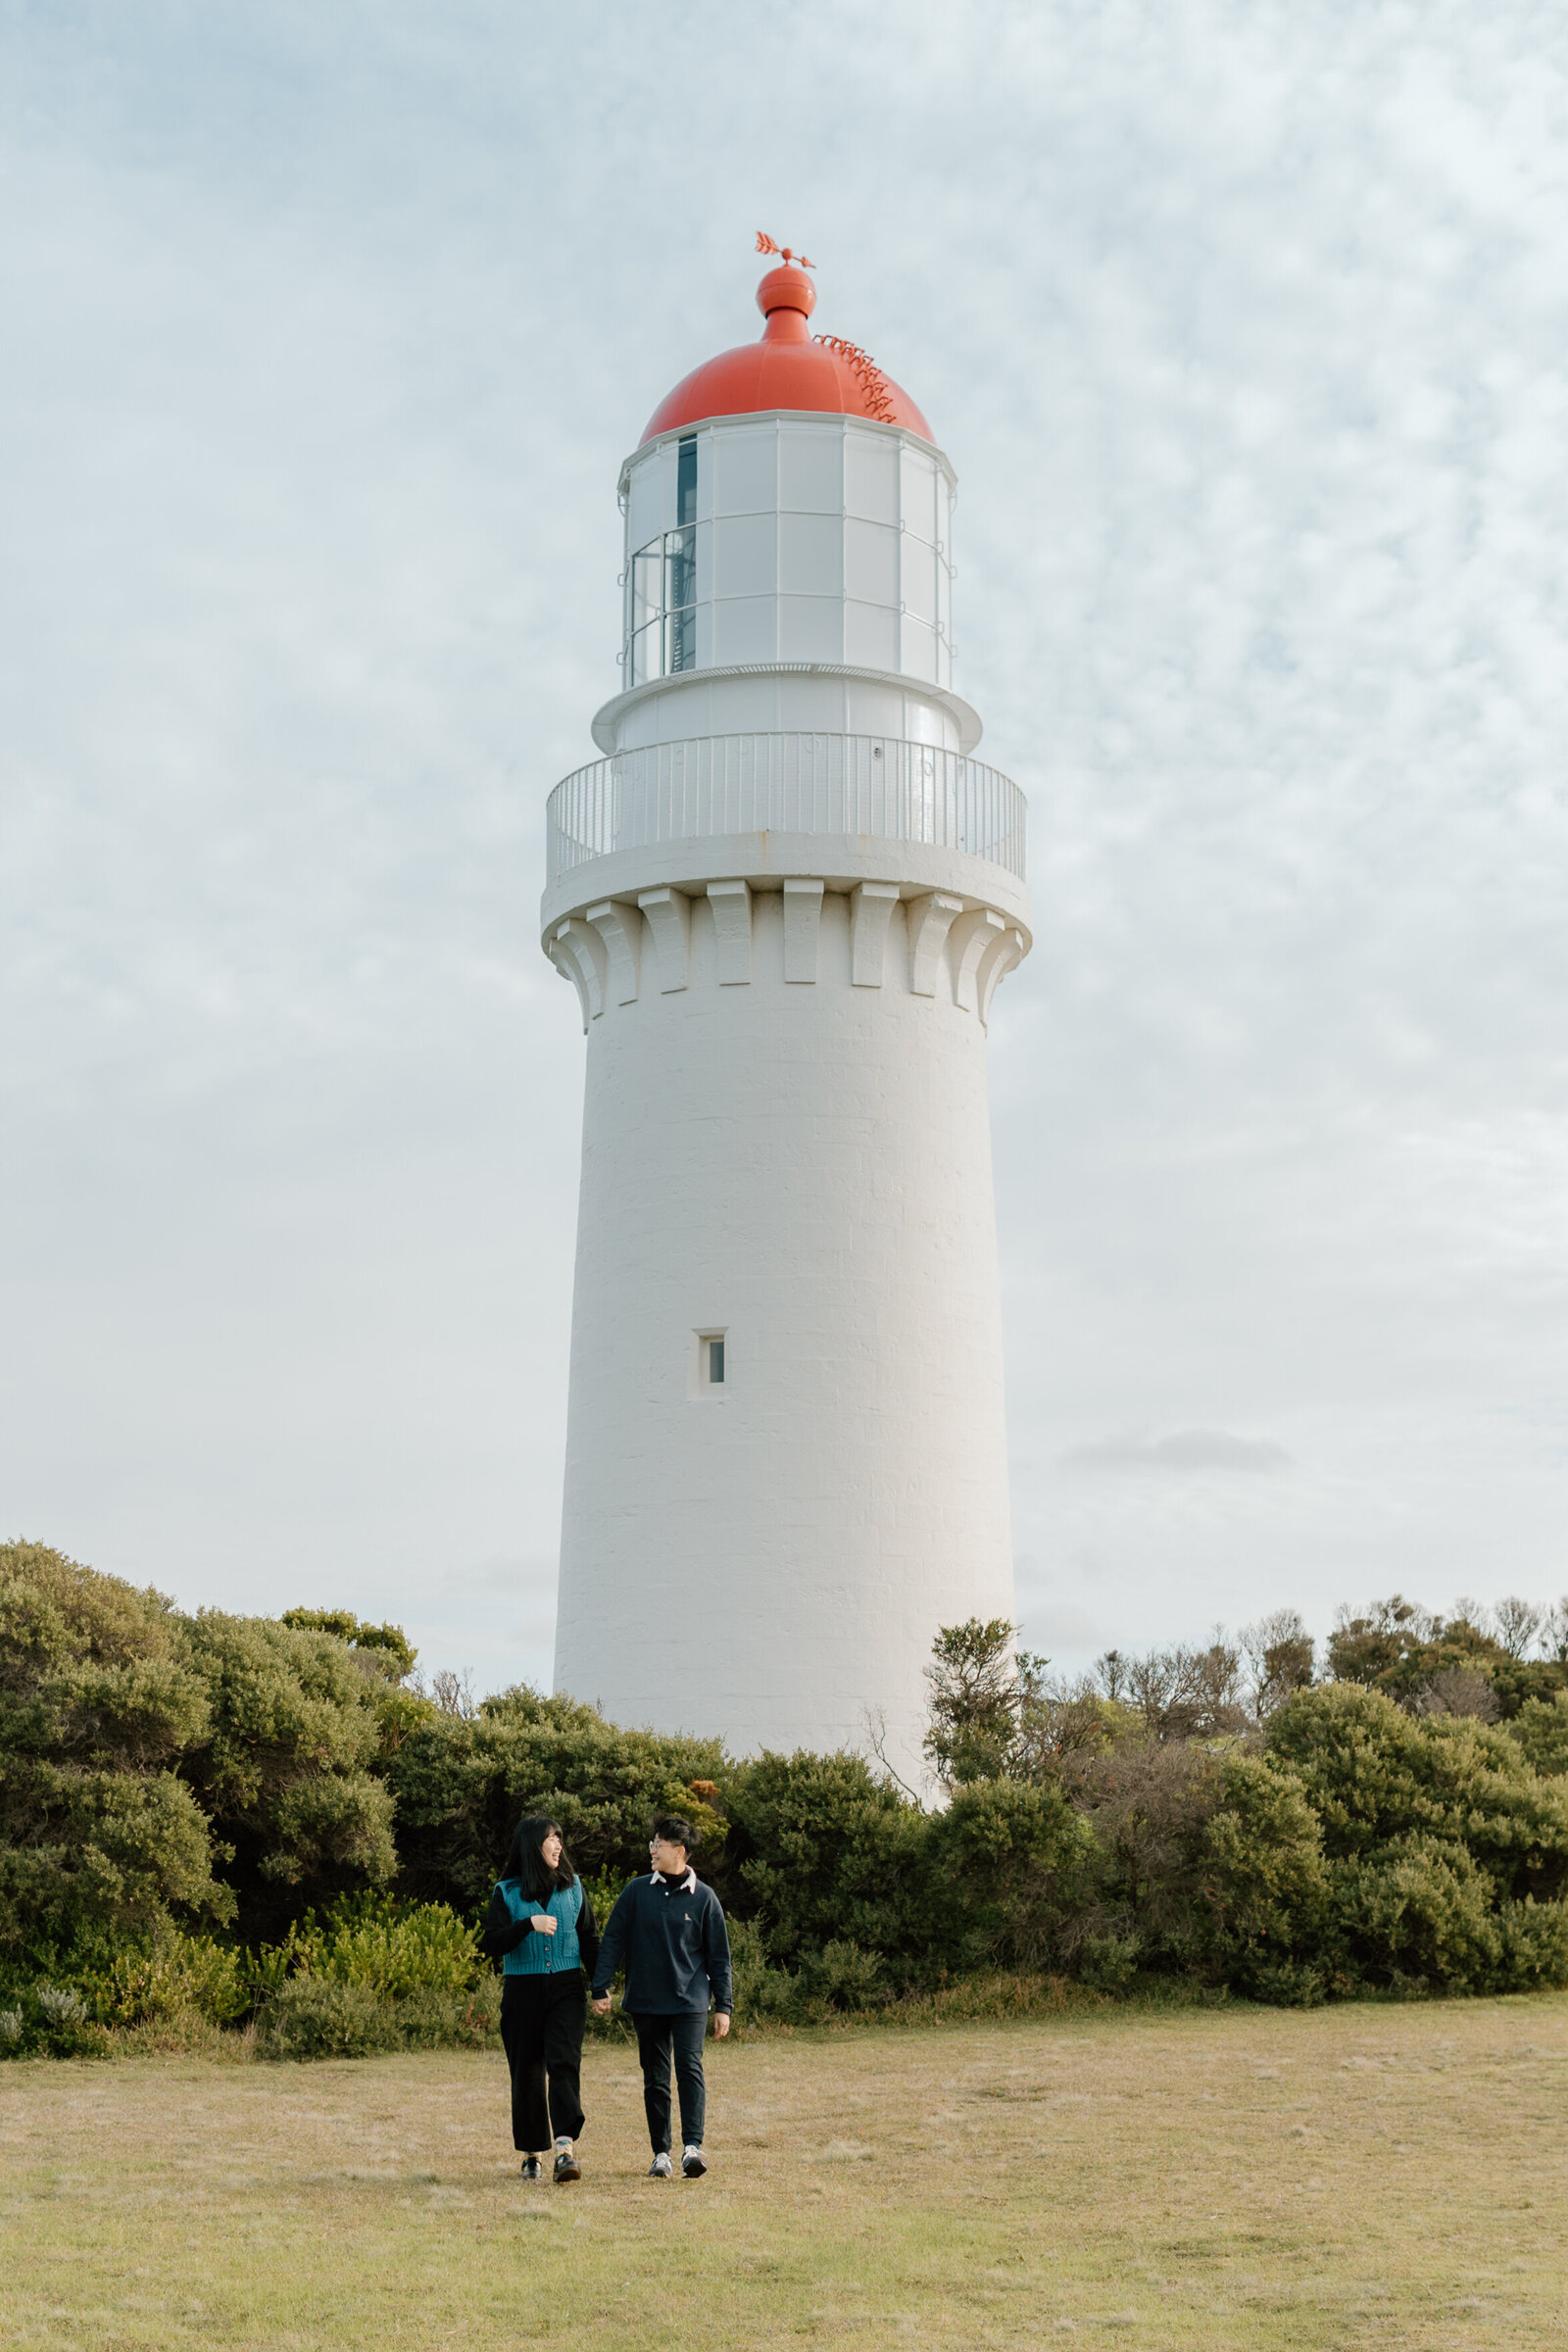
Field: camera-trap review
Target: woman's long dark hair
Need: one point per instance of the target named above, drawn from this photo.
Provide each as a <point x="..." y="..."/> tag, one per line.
<point x="527" y="1863"/>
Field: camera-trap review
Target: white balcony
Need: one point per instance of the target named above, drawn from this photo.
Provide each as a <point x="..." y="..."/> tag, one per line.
<point x="860" y="789"/>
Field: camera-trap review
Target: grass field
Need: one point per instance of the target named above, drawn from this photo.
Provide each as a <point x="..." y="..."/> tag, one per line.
<point x="1234" y="2178"/>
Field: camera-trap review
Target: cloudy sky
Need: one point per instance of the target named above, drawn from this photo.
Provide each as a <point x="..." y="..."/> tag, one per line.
<point x="326" y="328"/>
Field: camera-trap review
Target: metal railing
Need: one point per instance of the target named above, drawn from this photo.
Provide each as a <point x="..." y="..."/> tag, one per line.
<point x="712" y="785"/>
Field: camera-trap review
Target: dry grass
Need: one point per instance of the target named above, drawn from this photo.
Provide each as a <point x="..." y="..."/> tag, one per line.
<point x="1359" y="2177"/>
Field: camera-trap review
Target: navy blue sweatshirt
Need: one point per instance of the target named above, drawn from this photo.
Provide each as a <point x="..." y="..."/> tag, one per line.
<point x="671" y="1935"/>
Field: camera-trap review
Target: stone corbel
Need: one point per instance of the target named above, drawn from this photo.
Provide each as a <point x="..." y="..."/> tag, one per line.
<point x="620" y="927"/>
<point x="669" y="918"/>
<point x="930" y="920"/>
<point x="1002" y="957"/>
<point x="968" y="942"/>
<point x="567" y="966"/>
<point x="731" y="903"/>
<point x="803" y="923"/>
<point x="584" y="951"/>
<point x="870" y="912"/>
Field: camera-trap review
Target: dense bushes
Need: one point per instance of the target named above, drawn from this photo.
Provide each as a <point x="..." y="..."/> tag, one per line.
<point x="211" y="1823"/>
<point x="460" y="1782"/>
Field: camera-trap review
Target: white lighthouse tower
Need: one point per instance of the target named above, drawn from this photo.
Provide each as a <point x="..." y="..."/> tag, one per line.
<point x="785" y="896"/>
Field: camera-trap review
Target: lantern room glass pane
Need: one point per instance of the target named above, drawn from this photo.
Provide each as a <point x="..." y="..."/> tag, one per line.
<point x="647" y="584"/>
<point x="645" y="649"/>
<point x="681" y="640"/>
<point x="680" y="567"/>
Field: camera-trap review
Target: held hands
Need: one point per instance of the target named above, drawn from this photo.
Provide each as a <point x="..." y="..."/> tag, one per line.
<point x="602" y="2006"/>
<point x="542" y="1924"/>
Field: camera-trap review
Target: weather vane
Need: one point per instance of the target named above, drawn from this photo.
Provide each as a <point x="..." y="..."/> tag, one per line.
<point x="766" y="245"/>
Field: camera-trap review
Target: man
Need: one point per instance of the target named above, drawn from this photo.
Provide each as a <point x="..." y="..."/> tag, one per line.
<point x="669" y="1931"/>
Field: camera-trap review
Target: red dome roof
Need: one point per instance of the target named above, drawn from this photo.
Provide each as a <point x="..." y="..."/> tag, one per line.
<point x="789" y="368"/>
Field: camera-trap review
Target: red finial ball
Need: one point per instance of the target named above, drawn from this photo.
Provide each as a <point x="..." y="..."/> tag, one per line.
<point x="785" y="289"/>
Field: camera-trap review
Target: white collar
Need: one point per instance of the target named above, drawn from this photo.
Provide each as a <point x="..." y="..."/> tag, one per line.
<point x="687" y="1885"/>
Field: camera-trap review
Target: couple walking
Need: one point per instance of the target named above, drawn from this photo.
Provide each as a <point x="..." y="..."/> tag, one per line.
<point x="668" y="1927"/>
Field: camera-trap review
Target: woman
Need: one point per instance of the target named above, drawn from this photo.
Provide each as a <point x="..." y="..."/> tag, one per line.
<point x="541" y="1927"/>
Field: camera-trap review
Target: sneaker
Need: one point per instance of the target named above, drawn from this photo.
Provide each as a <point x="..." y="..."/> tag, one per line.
<point x="566" y="2166"/>
<point x="694" y="2164"/>
<point x="532" y="2168"/>
<point x="662" y="2169"/>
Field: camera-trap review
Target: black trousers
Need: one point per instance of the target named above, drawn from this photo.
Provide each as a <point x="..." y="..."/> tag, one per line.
<point x="542" y="2021"/>
<point x="656" y="2037"/>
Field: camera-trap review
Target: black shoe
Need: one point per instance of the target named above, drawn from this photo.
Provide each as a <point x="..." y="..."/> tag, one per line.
<point x="566" y="2166"/>
<point x="694" y="2164"/>
<point x="662" y="2169"/>
<point x="532" y="2168"/>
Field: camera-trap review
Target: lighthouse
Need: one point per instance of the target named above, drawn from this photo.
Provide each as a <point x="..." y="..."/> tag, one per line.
<point x="785" y="896"/>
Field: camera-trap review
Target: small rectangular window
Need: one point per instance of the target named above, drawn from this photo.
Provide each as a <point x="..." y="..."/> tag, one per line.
<point x="686" y="482"/>
<point x="709" y="1373"/>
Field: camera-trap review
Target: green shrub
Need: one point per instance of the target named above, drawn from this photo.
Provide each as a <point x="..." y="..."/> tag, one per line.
<point x="1009" y="1863"/>
<point x="314" y="2016"/>
<point x="603" y="1892"/>
<point x="1418" y="1911"/>
<point x="1375" y="1774"/>
<point x="1540" y="1728"/>
<point x="1535" y="1945"/>
<point x="284" y="1769"/>
<point x="51" y="2021"/>
<point x="820" y="1850"/>
<point x="1264" y="1884"/>
<point x="1149" y="1804"/>
<point x="840" y="1976"/>
<point x="451" y="2021"/>
<point x="97" y="1709"/>
<point x="761" y="1992"/>
<point x="462" y="1784"/>
<point x="172" y="1975"/>
<point x="393" y="1948"/>
<point x="320" y="2017"/>
<point x="1107" y="1963"/>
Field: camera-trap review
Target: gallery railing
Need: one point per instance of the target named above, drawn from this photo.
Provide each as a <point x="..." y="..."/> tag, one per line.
<point x="712" y="785"/>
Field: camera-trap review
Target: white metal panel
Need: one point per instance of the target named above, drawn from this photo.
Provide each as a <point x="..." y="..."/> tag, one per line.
<point x="810" y="554"/>
<point x="745" y="470"/>
<point x="871" y="636"/>
<point x="746" y="629"/>
<point x="745" y="555"/>
<point x="704" y="561"/>
<point x="871" y="562"/>
<point x="917" y="578"/>
<point x="810" y="628"/>
<point x="705" y="476"/>
<point x="917" y="647"/>
<point x="810" y="468"/>
<point x="917" y="493"/>
<point x="871" y="476"/>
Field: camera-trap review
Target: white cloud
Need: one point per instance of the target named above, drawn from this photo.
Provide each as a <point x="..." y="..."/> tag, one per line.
<point x="1182" y="1451"/>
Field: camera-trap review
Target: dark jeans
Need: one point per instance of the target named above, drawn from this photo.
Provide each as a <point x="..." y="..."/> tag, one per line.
<point x="542" y="2021"/>
<point x="655" y="2036"/>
